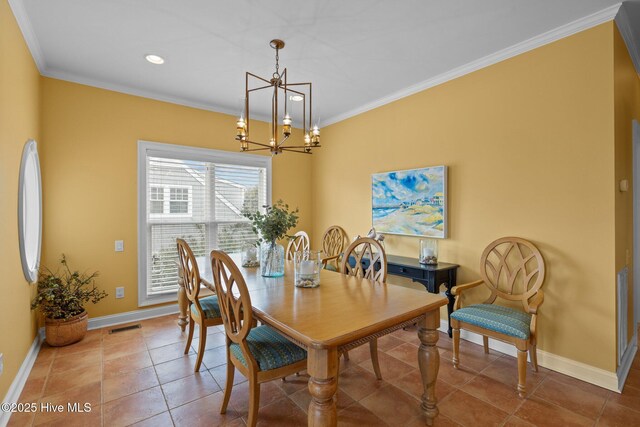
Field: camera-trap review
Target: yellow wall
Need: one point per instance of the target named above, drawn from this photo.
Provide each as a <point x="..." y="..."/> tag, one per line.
<point x="89" y="168"/>
<point x="529" y="146"/>
<point x="19" y="103"/>
<point x="532" y="145"/>
<point x="627" y="108"/>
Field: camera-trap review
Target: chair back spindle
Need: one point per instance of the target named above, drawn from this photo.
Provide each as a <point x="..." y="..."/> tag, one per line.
<point x="236" y="313"/>
<point x="334" y="240"/>
<point x="189" y="273"/>
<point x="513" y="269"/>
<point x="361" y="248"/>
<point x="299" y="242"/>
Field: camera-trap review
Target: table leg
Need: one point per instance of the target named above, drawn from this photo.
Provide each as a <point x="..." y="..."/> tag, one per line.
<point x="183" y="303"/>
<point x="322" y="366"/>
<point x="429" y="362"/>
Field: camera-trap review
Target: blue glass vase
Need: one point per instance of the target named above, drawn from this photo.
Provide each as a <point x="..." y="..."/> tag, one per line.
<point x="271" y="259"/>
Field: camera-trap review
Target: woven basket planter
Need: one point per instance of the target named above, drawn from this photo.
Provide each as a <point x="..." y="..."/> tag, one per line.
<point x="64" y="332"/>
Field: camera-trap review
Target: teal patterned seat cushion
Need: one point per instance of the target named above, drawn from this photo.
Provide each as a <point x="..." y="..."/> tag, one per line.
<point x="270" y="349"/>
<point x="496" y="318"/>
<point x="209" y="306"/>
<point x="330" y="267"/>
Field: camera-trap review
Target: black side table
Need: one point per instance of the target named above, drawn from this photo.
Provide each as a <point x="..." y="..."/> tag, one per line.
<point x="429" y="276"/>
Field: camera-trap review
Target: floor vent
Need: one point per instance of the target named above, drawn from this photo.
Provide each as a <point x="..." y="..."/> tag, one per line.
<point x="125" y="328"/>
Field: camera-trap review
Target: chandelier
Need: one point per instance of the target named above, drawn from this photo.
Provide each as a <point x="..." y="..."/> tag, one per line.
<point x="280" y="90"/>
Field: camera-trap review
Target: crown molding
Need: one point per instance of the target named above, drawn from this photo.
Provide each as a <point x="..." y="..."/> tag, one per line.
<point x="128" y="90"/>
<point x="589" y="21"/>
<point x="623" y="21"/>
<point x="551" y="36"/>
<point x="24" y="23"/>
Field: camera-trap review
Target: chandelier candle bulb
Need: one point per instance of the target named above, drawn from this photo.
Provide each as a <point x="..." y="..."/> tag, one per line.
<point x="241" y="128"/>
<point x="286" y="125"/>
<point x="316" y="135"/>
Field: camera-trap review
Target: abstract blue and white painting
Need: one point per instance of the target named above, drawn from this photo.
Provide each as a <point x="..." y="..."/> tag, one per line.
<point x="411" y="202"/>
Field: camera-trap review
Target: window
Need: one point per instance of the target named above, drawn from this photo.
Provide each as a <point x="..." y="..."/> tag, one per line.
<point x="178" y="200"/>
<point x="169" y="199"/>
<point x="198" y="195"/>
<point x="156" y="198"/>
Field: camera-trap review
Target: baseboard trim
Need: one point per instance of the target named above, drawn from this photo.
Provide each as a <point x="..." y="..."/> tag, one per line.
<point x="132" y="316"/>
<point x="572" y="368"/>
<point x="627" y="360"/>
<point x="13" y="394"/>
<point x="127" y="317"/>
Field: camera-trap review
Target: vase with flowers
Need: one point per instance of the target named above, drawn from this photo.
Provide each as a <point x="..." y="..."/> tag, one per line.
<point x="272" y="225"/>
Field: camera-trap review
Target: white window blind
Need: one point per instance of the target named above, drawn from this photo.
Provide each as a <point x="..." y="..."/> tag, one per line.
<point x="197" y="198"/>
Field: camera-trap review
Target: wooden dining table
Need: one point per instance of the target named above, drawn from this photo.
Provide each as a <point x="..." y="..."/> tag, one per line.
<point x="342" y="313"/>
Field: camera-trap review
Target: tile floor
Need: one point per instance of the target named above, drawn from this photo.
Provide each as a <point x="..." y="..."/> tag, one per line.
<point x="142" y="377"/>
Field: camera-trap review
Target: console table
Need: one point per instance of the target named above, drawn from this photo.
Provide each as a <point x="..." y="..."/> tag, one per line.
<point x="429" y="276"/>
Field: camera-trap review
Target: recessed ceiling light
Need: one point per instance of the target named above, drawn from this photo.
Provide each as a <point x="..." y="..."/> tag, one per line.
<point x="155" y="59"/>
<point x="296" y="98"/>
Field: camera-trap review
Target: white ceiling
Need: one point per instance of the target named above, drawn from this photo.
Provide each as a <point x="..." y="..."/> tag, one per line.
<point x="358" y="53"/>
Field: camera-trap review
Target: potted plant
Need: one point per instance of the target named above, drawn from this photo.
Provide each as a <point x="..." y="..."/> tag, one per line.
<point x="61" y="297"/>
<point x="272" y="226"/>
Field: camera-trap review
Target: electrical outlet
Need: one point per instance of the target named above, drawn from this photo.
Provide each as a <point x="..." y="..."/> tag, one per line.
<point x="1" y="363"/>
<point x="119" y="245"/>
<point x="120" y="292"/>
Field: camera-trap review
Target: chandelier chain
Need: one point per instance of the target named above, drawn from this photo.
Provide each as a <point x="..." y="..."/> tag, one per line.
<point x="276" y="75"/>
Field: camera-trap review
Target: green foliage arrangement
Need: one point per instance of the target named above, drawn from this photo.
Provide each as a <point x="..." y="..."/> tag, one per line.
<point x="62" y="295"/>
<point x="274" y="223"/>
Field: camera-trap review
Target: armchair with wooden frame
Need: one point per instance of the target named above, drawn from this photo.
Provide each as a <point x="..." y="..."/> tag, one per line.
<point x="260" y="353"/>
<point x="299" y="242"/>
<point x="376" y="270"/>
<point x="203" y="311"/>
<point x="514" y="270"/>
<point x="334" y="240"/>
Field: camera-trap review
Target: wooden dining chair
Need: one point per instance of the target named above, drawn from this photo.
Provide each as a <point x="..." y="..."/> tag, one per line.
<point x="513" y="269"/>
<point x="259" y="352"/>
<point x="334" y="240"/>
<point x="203" y="311"/>
<point x="366" y="258"/>
<point x="299" y="242"/>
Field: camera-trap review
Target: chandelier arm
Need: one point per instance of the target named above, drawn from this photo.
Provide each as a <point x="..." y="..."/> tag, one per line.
<point x="295" y="151"/>
<point x="259" y="88"/>
<point x="300" y="146"/>
<point x="258" y="77"/>
<point x="258" y="143"/>
<point x="310" y="106"/>
<point x="295" y="91"/>
<point x="284" y="73"/>
<point x="274" y="113"/>
<point x="282" y="142"/>
<point x="255" y="149"/>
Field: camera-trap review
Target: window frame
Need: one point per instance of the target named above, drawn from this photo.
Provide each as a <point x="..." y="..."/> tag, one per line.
<point x="181" y="152"/>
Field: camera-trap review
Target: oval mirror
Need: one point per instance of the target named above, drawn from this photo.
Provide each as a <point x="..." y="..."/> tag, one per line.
<point x="30" y="211"/>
